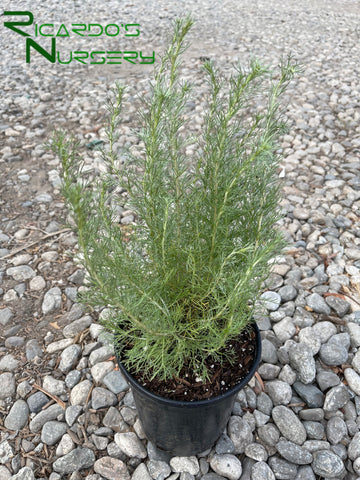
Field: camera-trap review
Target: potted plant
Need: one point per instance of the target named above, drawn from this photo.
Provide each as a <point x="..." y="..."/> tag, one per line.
<point x="181" y="283"/>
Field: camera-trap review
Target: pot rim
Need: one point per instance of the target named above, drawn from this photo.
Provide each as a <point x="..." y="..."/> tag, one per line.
<point x="196" y="403"/>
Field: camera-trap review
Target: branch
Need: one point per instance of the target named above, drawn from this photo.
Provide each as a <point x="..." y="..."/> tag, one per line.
<point x="49" y="235"/>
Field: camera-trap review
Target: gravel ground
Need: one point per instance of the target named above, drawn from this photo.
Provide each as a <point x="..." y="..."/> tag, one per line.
<point x="66" y="412"/>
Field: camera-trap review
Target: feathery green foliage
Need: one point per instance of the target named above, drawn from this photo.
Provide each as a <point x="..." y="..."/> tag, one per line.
<point x="186" y="280"/>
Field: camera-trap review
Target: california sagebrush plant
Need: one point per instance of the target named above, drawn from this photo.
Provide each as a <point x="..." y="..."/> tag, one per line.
<point x="185" y="281"/>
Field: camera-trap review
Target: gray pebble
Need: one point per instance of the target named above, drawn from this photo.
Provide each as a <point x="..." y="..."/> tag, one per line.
<point x="333" y="354"/>
<point x="90" y="347"/>
<point x="6" y="315"/>
<point x="52" y="432"/>
<point x="289" y="424"/>
<point x="43" y="198"/>
<point x="260" y="418"/>
<point x="20" y="288"/>
<point x="114" y="420"/>
<point x="4" y="473"/>
<point x="77" y="277"/>
<point x="336" y="430"/>
<point x="6" y="452"/>
<point x="53" y="386"/>
<point x="324" y="330"/>
<point x="308" y="336"/>
<point x="111" y="468"/>
<point x="261" y="470"/>
<point x="287" y="293"/>
<point x="270" y="300"/>
<point x="101" y="397"/>
<point x="340" y="306"/>
<point x="263" y="322"/>
<point x="75" y="460"/>
<point x="158" y="469"/>
<point x="72" y="413"/>
<point x="340" y="339"/>
<point x="8" y="363"/>
<point x="268" y="371"/>
<point x="293" y="453"/>
<point x="353" y="380"/>
<point x="24" y="473"/>
<point x="316" y="445"/>
<point x="354" y="447"/>
<point x="313" y="397"/>
<point x="340" y="450"/>
<point x="80" y="392"/>
<point x="4" y="238"/>
<point x="115" y="381"/>
<point x="327" y="464"/>
<point x="305" y="472"/>
<point x="7" y="382"/>
<point x="114" y="451"/>
<point x="37" y="283"/>
<point x="33" y="350"/>
<point x="269" y="434"/>
<point x="336" y="398"/>
<point x="72" y="378"/>
<point x="12" y="330"/>
<point x="101" y="354"/>
<point x="65" y="446"/>
<point x="226" y="465"/>
<point x="257" y="452"/>
<point x="129" y="415"/>
<point x="356" y="466"/>
<point x="314" y="430"/>
<point x="77" y="326"/>
<point x="327" y="379"/>
<point x="285" y="329"/>
<point x="354" y="331"/>
<point x="18" y="415"/>
<point x="185" y="464"/>
<point x="211" y="476"/>
<point x="51" y="301"/>
<point x="287" y="375"/>
<point x="353" y="253"/>
<point x="302" y="360"/>
<point x="99" y="370"/>
<point x="100" y="442"/>
<point x="127" y="219"/>
<point x="13" y="342"/>
<point x="130" y="445"/>
<point x="264" y="403"/>
<point x="282" y="468"/>
<point x="21" y="273"/>
<point x="71" y="293"/>
<point x="279" y="392"/>
<point x="59" y="345"/>
<point x="50" y="413"/>
<point x="301" y="213"/>
<point x="313" y="414"/>
<point x="240" y="433"/>
<point x="69" y="357"/>
<point x="318" y="304"/>
<point x="37" y="401"/>
<point x="224" y="445"/>
<point x="268" y="352"/>
<point x="141" y="473"/>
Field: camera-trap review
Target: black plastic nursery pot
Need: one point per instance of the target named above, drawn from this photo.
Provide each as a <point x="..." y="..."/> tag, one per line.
<point x="186" y="428"/>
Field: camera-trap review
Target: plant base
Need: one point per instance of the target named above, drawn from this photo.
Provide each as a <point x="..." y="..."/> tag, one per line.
<point x="187" y="428"/>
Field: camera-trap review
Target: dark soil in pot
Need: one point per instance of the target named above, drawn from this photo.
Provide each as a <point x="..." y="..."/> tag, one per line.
<point x="189" y="427"/>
